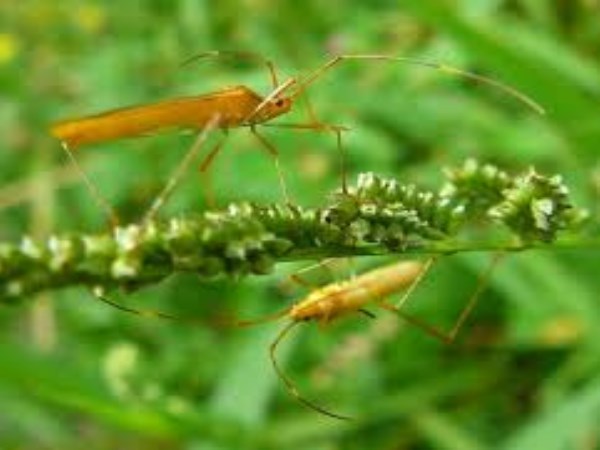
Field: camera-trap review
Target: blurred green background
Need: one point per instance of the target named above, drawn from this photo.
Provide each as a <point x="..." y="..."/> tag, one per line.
<point x="523" y="374"/>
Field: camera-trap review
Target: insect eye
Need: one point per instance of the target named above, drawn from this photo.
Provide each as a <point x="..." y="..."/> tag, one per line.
<point x="279" y="103"/>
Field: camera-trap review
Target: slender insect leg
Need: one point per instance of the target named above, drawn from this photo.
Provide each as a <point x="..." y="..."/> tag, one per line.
<point x="298" y="278"/>
<point x="180" y="170"/>
<point x="272" y="151"/>
<point x="208" y="159"/>
<point x="288" y="383"/>
<point x="207" y="185"/>
<point x="343" y="161"/>
<point x="338" y="137"/>
<point x="207" y="175"/>
<point x="273" y="74"/>
<point x="367" y="313"/>
<point x="206" y="180"/>
<point x="413" y="286"/>
<point x="93" y="189"/>
<point x="481" y="285"/>
<point x="337" y="129"/>
<point x="427" y="328"/>
<point x="101" y="296"/>
<point x="240" y="55"/>
<point x="449" y="336"/>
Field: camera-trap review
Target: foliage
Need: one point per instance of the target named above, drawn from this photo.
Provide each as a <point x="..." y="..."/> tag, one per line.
<point x="374" y="216"/>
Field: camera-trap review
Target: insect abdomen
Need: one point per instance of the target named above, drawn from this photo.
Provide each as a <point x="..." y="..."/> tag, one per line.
<point x="388" y="280"/>
<point x="231" y="106"/>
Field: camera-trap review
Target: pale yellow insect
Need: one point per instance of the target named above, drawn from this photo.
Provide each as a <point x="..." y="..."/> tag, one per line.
<point x="335" y="300"/>
<point x="323" y="305"/>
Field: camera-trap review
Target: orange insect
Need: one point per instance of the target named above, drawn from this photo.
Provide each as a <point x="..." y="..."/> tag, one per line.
<point x="233" y="107"/>
<point x="229" y="108"/>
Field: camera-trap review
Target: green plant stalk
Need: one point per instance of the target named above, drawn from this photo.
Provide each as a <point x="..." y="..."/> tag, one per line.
<point x="375" y="216"/>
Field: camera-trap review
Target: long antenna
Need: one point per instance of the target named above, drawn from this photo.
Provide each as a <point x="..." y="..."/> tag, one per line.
<point x="513" y="92"/>
<point x="155" y="314"/>
<point x="289" y="384"/>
